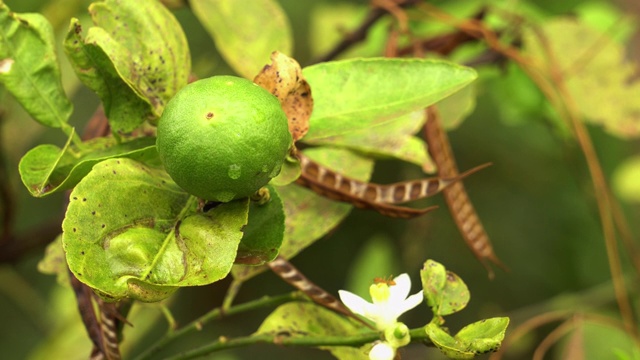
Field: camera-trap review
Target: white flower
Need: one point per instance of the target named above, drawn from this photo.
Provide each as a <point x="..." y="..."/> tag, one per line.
<point x="389" y="301"/>
<point x="382" y="351"/>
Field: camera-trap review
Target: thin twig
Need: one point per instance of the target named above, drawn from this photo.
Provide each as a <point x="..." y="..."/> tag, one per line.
<point x="360" y="33"/>
<point x="215" y="314"/>
<point x="286" y="339"/>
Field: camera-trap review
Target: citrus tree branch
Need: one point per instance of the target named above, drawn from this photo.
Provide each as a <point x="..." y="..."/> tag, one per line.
<point x="286" y="339"/>
<point x="217" y="313"/>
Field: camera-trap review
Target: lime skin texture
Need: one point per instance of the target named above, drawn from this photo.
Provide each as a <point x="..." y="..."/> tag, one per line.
<point x="223" y="138"/>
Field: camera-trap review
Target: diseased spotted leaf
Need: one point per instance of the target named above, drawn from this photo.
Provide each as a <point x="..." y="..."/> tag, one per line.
<point x="130" y="231"/>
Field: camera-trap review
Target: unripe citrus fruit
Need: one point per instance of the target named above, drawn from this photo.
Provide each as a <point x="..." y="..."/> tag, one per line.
<point x="222" y="138"/>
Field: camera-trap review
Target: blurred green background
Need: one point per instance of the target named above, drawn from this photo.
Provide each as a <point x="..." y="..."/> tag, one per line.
<point x="536" y="203"/>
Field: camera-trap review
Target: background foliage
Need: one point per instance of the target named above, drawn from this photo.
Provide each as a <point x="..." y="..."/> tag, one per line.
<point x="536" y="201"/>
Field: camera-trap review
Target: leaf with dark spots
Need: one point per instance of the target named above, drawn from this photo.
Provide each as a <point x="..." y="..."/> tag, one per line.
<point x="123" y="107"/>
<point x="149" y="250"/>
<point x="298" y="319"/>
<point x="283" y="78"/>
<point x="136" y="52"/>
<point x="48" y="169"/>
<point x="444" y="291"/>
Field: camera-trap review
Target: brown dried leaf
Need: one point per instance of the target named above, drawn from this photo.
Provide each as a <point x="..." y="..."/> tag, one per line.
<point x="335" y="186"/>
<point x="456" y="196"/>
<point x="289" y="273"/>
<point x="283" y="78"/>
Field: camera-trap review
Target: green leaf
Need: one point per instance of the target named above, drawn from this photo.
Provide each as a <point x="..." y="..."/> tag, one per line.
<point x="129" y="231"/>
<point x="299" y="319"/>
<point x="29" y="67"/>
<point x="289" y="172"/>
<point x="596" y="73"/>
<point x="54" y="262"/>
<point x="445" y="292"/>
<point x="243" y="37"/>
<point x="47" y="169"/>
<point x="310" y="216"/>
<point x="264" y="232"/>
<point x="391" y="139"/>
<point x="455" y="108"/>
<point x="446" y="343"/>
<point x="310" y="319"/>
<point x="124" y="108"/>
<point x="356" y="94"/>
<point x="485" y="335"/>
<point x="136" y="58"/>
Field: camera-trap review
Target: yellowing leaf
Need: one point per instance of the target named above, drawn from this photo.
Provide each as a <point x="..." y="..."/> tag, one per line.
<point x="596" y="74"/>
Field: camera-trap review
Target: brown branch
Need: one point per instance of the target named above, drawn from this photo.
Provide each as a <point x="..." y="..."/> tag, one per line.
<point x="360" y="33"/>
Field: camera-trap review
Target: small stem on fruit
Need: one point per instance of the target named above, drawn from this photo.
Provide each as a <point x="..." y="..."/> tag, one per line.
<point x="262" y="196"/>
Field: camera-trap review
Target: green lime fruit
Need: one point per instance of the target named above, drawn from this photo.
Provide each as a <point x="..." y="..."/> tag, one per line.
<point x="223" y="138"/>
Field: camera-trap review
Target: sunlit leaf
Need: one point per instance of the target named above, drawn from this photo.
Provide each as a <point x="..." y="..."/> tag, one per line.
<point x="597" y="76"/>
<point x="360" y="93"/>
<point x="447" y="344"/>
<point x="48" y="169"/>
<point x="445" y="292"/>
<point x="264" y="232"/>
<point x="483" y="336"/>
<point x="129" y="231"/>
<point x="245" y="32"/>
<point x="390" y="139"/>
<point x="29" y="67"/>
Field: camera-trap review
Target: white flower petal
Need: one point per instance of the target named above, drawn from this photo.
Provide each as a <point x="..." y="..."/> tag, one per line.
<point x="354" y="302"/>
<point x="382" y="351"/>
<point x="411" y="302"/>
<point x="401" y="289"/>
